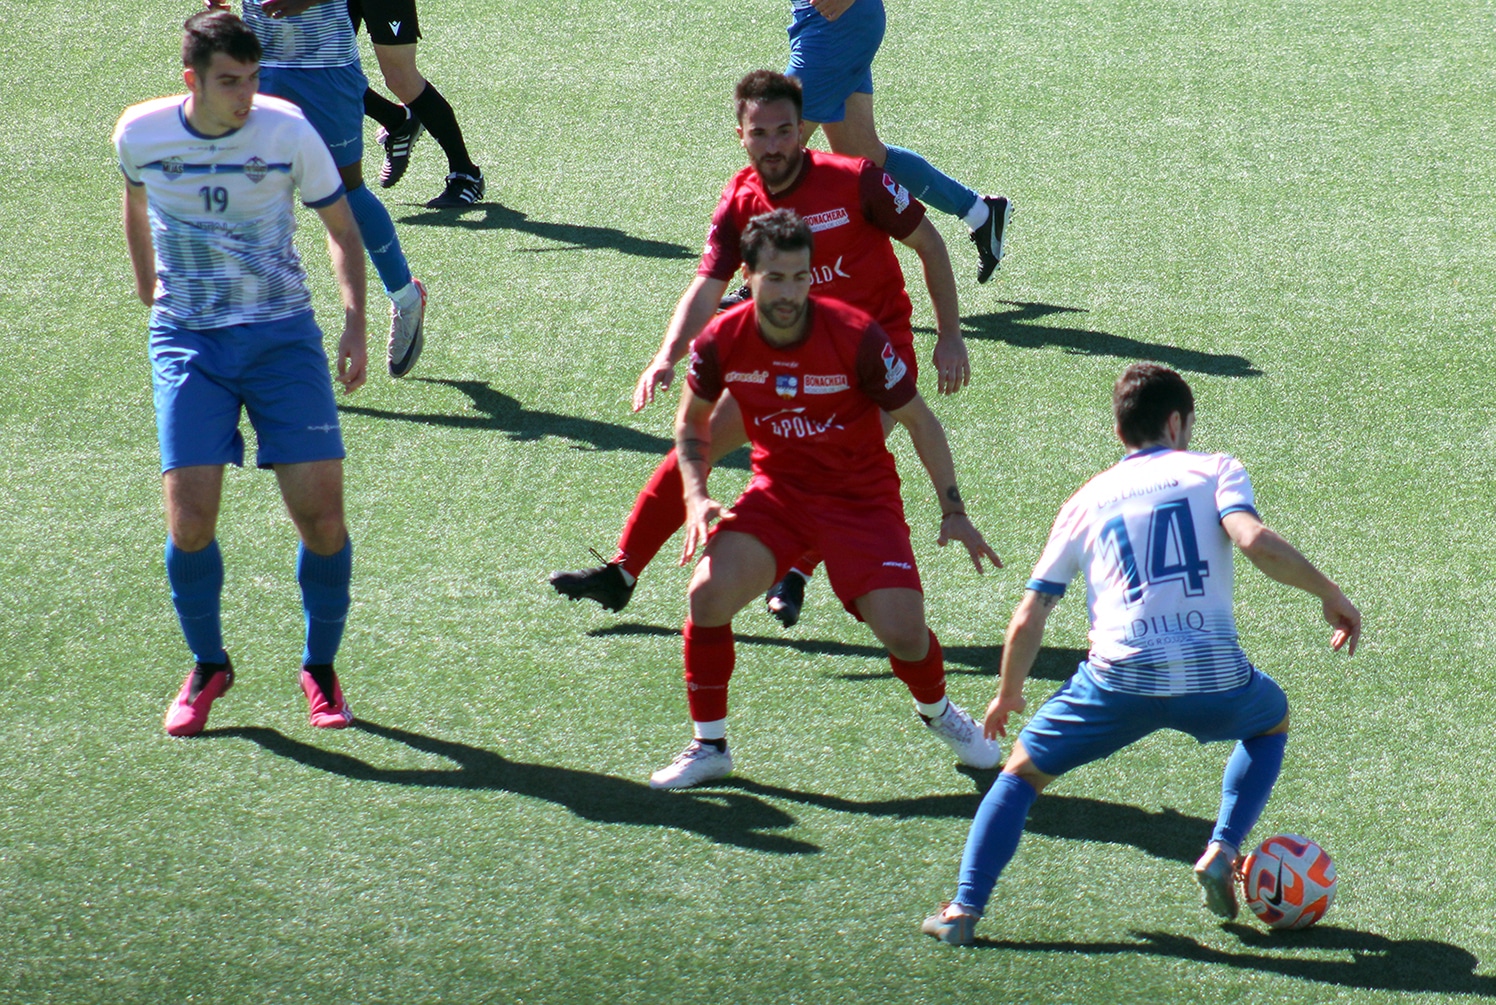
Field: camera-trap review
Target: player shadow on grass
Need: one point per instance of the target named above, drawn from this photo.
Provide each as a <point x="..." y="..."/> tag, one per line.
<point x="503" y="413"/>
<point x="1375" y="962"/>
<point x="732" y="818"/>
<point x="1015" y="327"/>
<point x="1164" y="834"/>
<point x="568" y="236"/>
<point x="1053" y="663"/>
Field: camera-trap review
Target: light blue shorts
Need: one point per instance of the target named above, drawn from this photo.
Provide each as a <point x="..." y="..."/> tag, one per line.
<point x="1084" y="722"/>
<point x="834" y="59"/>
<point x="276" y="371"/>
<point x="331" y="98"/>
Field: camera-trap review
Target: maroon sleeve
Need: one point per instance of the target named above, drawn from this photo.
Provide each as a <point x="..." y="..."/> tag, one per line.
<point x="704" y="375"/>
<point x="722" y="255"/>
<point x="886" y="204"/>
<point x="881" y="371"/>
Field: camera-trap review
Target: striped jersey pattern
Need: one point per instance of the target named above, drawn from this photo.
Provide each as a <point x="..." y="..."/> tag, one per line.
<point x="320" y="36"/>
<point x="1147" y="536"/>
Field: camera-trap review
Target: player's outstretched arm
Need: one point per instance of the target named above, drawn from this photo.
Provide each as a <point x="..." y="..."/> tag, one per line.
<point x="1281" y="561"/>
<point x="1020" y="649"/>
<point x="346" y="248"/>
<point x="138" y="241"/>
<point x="934" y="452"/>
<point x="952" y="365"/>
<point x="695" y="309"/>
<point x="693" y="450"/>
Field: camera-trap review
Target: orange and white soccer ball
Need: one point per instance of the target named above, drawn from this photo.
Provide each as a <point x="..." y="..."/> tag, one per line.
<point x="1288" y="882"/>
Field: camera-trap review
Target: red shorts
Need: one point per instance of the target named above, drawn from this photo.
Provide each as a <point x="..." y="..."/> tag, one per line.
<point x="864" y="542"/>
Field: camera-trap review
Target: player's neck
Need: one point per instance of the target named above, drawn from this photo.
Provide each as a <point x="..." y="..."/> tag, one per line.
<point x="195" y="119"/>
<point x="781" y="337"/>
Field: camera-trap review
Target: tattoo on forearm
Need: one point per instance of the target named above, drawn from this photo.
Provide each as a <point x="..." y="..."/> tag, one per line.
<point x="953" y="494"/>
<point x="693" y="449"/>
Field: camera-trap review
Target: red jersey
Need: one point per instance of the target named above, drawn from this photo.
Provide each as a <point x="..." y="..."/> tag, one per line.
<point x="812" y="408"/>
<point x="853" y="209"/>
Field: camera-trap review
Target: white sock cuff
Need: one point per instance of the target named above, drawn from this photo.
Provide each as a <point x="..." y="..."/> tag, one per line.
<point x="714" y="730"/>
<point x="932" y="710"/>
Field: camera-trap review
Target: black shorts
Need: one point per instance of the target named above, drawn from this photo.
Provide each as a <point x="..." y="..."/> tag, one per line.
<point x="390" y="22"/>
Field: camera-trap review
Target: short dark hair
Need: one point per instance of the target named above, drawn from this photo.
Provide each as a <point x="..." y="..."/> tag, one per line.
<point x="764" y="86"/>
<point x="781" y="228"/>
<point x="1143" y="399"/>
<point x="210" y="31"/>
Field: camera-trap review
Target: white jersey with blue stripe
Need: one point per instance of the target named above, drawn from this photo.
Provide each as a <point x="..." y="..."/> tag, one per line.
<point x="221" y="209"/>
<point x="320" y="36"/>
<point x="1147" y="535"/>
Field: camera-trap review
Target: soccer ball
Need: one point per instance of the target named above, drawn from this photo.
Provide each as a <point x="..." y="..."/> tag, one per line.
<point x="1288" y="882"/>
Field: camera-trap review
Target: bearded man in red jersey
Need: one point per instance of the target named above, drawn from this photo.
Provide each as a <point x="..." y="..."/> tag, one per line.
<point x="812" y="378"/>
<point x="855" y="211"/>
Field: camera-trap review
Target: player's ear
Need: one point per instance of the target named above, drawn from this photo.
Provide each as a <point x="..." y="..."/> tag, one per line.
<point x="189" y="77"/>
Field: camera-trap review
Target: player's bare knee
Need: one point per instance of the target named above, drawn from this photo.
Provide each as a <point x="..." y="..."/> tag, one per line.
<point x="709" y="602"/>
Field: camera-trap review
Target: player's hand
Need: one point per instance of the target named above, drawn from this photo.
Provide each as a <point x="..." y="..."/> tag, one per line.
<point x="656" y="375"/>
<point x="1345" y="622"/>
<point x="216" y="4"/>
<point x="952" y="366"/>
<point x="285" y="8"/>
<point x="353" y="360"/>
<point x="958" y="527"/>
<point x="699" y="516"/>
<point x="995" y="723"/>
<point x="831" y="9"/>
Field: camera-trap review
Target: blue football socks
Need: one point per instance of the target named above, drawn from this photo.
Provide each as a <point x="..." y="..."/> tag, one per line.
<point x="378" y="231"/>
<point x="1246" y="786"/>
<point x="993" y="839"/>
<point x="196" y="579"/>
<point x="928" y="184"/>
<point x="324" y="583"/>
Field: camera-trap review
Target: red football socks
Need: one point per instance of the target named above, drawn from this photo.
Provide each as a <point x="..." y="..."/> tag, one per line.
<point x="658" y="513"/>
<point x="926" y="678"/>
<point x="710" y="657"/>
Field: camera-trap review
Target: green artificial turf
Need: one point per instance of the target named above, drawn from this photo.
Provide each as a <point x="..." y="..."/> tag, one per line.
<point x="1291" y="203"/>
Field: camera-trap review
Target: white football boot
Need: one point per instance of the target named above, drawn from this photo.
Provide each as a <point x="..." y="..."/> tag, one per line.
<point x="965" y="737"/>
<point x="699" y="762"/>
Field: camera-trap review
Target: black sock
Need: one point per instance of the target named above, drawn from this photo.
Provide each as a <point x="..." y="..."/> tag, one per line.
<point x="441" y="122"/>
<point x="201" y="674"/>
<point x="323" y="675"/>
<point x="721" y="744"/>
<point x="382" y="110"/>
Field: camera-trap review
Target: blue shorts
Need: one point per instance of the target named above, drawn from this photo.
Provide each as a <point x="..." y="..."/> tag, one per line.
<point x="834" y="59"/>
<point x="331" y="98"/>
<point x="1084" y="722"/>
<point x="275" y="370"/>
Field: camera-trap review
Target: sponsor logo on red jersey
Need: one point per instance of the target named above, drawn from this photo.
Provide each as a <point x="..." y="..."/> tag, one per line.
<point x="838" y="217"/>
<point x="900" y="193"/>
<point x="794" y="424"/>
<point x="746" y="377"/>
<point x="787" y="384"/>
<point x="828" y="384"/>
<point x="895" y="366"/>
<point x="827" y="273"/>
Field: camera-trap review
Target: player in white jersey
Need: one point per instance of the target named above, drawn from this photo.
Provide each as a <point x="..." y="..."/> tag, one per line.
<point x="1153" y="537"/>
<point x="208" y="213"/>
<point x="311" y="58"/>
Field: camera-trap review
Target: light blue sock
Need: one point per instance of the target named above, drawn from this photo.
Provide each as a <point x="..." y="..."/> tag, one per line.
<point x="196" y="579"/>
<point x="993" y="838"/>
<point x="928" y="184"/>
<point x="324" y="583"/>
<point x="1246" y="786"/>
<point x="378" y="231"/>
